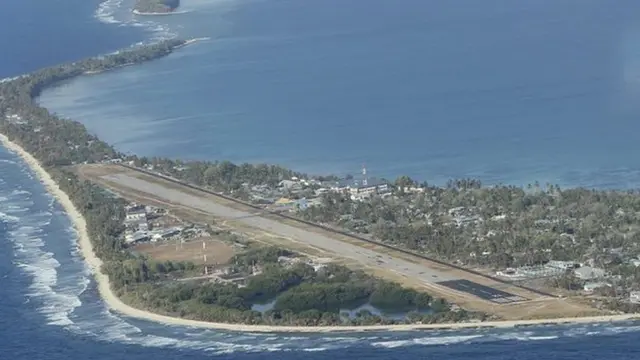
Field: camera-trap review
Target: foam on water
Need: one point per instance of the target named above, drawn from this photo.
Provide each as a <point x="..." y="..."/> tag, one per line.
<point x="116" y="12"/>
<point x="56" y="302"/>
<point x="106" y="10"/>
<point x="8" y="218"/>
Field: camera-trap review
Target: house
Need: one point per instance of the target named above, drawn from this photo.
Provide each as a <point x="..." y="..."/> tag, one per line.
<point x="136" y="215"/>
<point x="137" y="237"/>
<point x="284" y="201"/>
<point x="634" y="262"/>
<point x="290" y="204"/>
<point x="588" y="273"/>
<point x="591" y="287"/>
<point x="564" y="265"/>
<point x="302" y="204"/>
<point x="289" y="185"/>
<point x="143" y="226"/>
<point x="634" y="297"/>
<point x="167" y="233"/>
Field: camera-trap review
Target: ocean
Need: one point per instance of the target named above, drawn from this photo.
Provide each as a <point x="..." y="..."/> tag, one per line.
<point x="49" y="306"/>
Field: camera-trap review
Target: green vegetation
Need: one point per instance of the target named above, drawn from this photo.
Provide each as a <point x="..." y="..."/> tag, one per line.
<point x="156" y="6"/>
<point x="511" y="226"/>
<point x="464" y="222"/>
<point x="303" y="295"/>
<point x="221" y="176"/>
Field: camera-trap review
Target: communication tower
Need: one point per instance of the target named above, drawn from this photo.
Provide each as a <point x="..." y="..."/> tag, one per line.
<point x="364" y="175"/>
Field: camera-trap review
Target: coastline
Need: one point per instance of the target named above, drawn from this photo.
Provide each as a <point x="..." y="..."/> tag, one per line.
<point x="115" y="304"/>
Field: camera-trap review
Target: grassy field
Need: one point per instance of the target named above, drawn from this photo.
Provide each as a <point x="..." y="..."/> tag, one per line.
<point x="217" y="252"/>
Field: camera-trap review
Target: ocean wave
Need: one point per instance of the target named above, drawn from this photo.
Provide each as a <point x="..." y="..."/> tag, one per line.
<point x="8" y="218"/>
<point x="106" y="10"/>
<point x="18" y="192"/>
<point x="438" y="340"/>
<point x="56" y="295"/>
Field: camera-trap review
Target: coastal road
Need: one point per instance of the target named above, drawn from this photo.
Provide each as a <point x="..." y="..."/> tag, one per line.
<point x="362" y="255"/>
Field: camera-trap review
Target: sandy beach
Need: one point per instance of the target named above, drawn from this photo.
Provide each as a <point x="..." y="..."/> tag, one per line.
<point x="115" y="304"/>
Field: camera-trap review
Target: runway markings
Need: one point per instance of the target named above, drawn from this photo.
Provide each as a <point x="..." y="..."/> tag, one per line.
<point x="482" y="291"/>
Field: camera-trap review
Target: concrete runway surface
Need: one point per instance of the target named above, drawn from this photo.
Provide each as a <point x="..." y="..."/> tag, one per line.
<point x="342" y="249"/>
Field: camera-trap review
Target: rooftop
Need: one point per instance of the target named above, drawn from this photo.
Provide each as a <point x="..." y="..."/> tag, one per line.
<point x="358" y="183"/>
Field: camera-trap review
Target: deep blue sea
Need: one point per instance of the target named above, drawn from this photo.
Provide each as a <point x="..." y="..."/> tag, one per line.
<point x="505" y="90"/>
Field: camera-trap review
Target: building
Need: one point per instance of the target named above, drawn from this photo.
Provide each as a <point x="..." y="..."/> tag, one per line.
<point x="290" y="185"/>
<point x="564" y="265"/>
<point x="166" y="233"/>
<point x="143" y="226"/>
<point x="591" y="287"/>
<point x="634" y="297"/>
<point x="635" y="262"/>
<point x="362" y="188"/>
<point x="136" y="215"/>
<point x="137" y="237"/>
<point x="365" y="187"/>
<point x="369" y="187"/>
<point x="290" y="204"/>
<point x="588" y="273"/>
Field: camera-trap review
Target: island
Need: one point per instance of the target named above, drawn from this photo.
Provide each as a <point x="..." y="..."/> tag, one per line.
<point x="263" y="248"/>
<point x="155" y="7"/>
<point x="293" y="288"/>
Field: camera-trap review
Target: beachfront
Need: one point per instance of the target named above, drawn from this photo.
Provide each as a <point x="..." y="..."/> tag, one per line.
<point x="115" y="304"/>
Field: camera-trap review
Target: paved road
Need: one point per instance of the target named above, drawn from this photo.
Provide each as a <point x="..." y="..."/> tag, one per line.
<point x="346" y="250"/>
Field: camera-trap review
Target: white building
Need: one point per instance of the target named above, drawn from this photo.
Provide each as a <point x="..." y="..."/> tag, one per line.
<point x="634" y="297"/>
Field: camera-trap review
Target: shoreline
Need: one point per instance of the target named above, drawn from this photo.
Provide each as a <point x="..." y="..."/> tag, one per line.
<point x="115" y="304"/>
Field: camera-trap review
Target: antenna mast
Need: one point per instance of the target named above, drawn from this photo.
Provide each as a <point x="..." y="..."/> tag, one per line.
<point x="364" y="175"/>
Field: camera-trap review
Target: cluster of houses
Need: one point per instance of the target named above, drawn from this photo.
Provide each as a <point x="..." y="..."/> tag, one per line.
<point x="137" y="226"/>
<point x="290" y="261"/>
<point x="298" y="194"/>
<point x="593" y="278"/>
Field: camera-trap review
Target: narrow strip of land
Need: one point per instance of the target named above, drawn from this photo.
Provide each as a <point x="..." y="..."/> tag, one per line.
<point x="479" y="293"/>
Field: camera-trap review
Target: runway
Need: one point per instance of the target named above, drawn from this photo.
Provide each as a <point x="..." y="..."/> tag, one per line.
<point x="482" y="291"/>
<point x="362" y="255"/>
